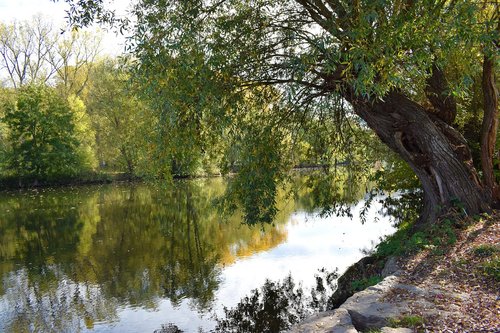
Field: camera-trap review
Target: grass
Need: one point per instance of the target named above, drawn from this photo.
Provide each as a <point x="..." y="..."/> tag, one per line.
<point x="407" y="321"/>
<point x="491" y="256"/>
<point x="486" y="250"/>
<point x="358" y="285"/>
<point x="492" y="268"/>
<point x="437" y="237"/>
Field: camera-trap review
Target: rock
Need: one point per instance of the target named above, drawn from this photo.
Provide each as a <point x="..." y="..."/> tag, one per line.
<point x="336" y="321"/>
<point x="368" y="310"/>
<point x="437" y="290"/>
<point x="395" y="330"/>
<point x="364" y="268"/>
<point x="391" y="267"/>
<point x="410" y="288"/>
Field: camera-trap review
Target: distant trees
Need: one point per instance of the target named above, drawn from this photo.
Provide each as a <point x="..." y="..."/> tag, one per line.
<point x="117" y="115"/>
<point x="35" y="52"/>
<point x="74" y="59"/>
<point x="64" y="110"/>
<point x="25" y="48"/>
<point x="46" y="130"/>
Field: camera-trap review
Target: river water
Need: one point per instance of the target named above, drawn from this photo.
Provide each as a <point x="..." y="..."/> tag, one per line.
<point x="133" y="257"/>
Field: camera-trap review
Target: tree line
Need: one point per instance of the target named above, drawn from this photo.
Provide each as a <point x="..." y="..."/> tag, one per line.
<point x="64" y="108"/>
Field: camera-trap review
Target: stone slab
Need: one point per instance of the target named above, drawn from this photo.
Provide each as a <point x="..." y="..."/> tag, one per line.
<point x="336" y="321"/>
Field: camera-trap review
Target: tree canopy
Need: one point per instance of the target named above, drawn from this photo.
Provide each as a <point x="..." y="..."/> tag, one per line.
<point x="405" y="68"/>
<point x="48" y="138"/>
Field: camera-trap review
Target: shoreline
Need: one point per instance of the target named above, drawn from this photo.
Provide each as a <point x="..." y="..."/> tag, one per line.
<point x="448" y="289"/>
<point x="16" y="183"/>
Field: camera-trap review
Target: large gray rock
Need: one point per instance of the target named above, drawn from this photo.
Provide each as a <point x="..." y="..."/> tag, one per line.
<point x="395" y="330"/>
<point x="391" y="267"/>
<point x="336" y="321"/>
<point x="363" y="269"/>
<point x="362" y="311"/>
<point x="368" y="310"/>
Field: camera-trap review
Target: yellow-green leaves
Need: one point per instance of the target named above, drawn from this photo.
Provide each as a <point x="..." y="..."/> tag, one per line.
<point x="42" y="130"/>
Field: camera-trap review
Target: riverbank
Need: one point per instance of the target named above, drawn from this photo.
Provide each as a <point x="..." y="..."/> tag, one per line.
<point x="450" y="284"/>
<point x="93" y="178"/>
<point x="98" y="178"/>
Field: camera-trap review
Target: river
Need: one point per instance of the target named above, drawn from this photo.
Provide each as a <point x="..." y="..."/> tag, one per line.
<point x="133" y="257"/>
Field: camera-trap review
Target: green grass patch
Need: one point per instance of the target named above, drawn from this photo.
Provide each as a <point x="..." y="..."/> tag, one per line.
<point x="491" y="268"/>
<point x="407" y="321"/>
<point x="437" y="236"/>
<point x="358" y="285"/>
<point x="486" y="250"/>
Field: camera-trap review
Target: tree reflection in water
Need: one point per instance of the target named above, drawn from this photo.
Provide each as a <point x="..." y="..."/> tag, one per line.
<point x="275" y="307"/>
<point x="70" y="258"/>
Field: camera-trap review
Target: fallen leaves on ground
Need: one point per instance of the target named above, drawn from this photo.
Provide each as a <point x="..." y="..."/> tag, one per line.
<point x="464" y="298"/>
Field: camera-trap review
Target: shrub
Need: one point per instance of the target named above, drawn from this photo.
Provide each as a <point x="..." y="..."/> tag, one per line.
<point x="486" y="250"/>
<point x="492" y="268"/>
<point x="407" y="321"/>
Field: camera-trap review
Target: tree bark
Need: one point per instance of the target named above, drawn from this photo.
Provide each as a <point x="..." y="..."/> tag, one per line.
<point x="435" y="151"/>
<point x="489" y="127"/>
<point x="437" y="91"/>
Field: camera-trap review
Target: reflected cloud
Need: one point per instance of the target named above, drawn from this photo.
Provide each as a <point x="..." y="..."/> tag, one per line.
<point x="128" y="258"/>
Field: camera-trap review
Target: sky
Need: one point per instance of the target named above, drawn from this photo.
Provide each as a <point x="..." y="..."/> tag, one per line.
<point x="55" y="11"/>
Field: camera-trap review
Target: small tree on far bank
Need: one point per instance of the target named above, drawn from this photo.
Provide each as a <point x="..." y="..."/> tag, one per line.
<point x="43" y="135"/>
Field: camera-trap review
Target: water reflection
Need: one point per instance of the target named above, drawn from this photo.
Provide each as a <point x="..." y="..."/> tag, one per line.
<point x="111" y="258"/>
<point x="70" y="254"/>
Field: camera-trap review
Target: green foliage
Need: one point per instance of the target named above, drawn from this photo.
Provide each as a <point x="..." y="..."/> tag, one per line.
<point x="396" y="244"/>
<point x="84" y="133"/>
<point x="492" y="268"/>
<point x="185" y="115"/>
<point x="199" y="62"/>
<point x="260" y="168"/>
<point x="437" y="237"/>
<point x="358" y="285"/>
<point x="394" y="174"/>
<point x="5" y="145"/>
<point x="118" y="117"/>
<point x="491" y="255"/>
<point x="486" y="250"/>
<point x="409" y="321"/>
<point x="46" y="136"/>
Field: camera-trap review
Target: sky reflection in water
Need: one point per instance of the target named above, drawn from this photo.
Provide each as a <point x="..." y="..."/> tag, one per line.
<point x="131" y="258"/>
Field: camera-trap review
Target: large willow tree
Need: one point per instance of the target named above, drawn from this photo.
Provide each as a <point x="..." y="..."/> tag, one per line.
<point x="404" y="67"/>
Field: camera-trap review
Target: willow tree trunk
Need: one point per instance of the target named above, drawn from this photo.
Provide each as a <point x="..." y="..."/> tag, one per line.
<point x="435" y="151"/>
